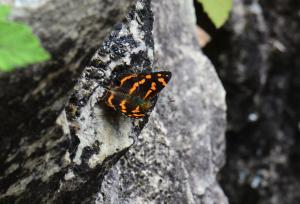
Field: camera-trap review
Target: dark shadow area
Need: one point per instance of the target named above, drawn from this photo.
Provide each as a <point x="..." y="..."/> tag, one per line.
<point x="260" y="70"/>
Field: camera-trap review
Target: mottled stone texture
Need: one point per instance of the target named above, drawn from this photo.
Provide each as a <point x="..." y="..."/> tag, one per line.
<point x="59" y="140"/>
<point x="181" y="149"/>
<point x="35" y="135"/>
<point x="260" y="68"/>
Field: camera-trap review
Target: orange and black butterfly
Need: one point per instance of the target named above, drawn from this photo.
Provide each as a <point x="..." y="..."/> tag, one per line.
<point x="134" y="94"/>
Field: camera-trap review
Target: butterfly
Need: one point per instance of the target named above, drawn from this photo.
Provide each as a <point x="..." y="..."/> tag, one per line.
<point x="134" y="94"/>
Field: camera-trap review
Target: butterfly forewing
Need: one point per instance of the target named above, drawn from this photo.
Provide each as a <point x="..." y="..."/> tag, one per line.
<point x="155" y="84"/>
<point x="144" y="85"/>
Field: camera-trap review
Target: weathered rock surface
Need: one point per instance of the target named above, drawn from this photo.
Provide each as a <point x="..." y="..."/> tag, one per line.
<point x="57" y="149"/>
<point x="177" y="156"/>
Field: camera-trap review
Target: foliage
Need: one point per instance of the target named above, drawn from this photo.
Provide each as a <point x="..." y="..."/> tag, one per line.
<point x="217" y="10"/>
<point x="18" y="45"/>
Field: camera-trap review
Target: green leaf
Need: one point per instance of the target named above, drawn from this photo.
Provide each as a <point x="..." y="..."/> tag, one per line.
<point x="18" y="45"/>
<point x="217" y="10"/>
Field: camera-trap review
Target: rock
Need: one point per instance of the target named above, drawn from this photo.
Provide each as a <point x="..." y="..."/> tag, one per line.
<point x="178" y="154"/>
<point x="259" y="67"/>
<point x="35" y="135"/>
<point x="66" y="140"/>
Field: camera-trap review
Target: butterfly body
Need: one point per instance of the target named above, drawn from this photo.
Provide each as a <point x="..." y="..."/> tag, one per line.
<point x="134" y="94"/>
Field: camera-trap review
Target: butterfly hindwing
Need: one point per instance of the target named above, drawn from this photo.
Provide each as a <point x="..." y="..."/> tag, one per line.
<point x="126" y="105"/>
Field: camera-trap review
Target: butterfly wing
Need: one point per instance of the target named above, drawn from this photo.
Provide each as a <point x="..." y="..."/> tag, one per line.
<point x="134" y="92"/>
<point x="122" y="96"/>
<point x="123" y="103"/>
<point x="144" y="85"/>
<point x="156" y="81"/>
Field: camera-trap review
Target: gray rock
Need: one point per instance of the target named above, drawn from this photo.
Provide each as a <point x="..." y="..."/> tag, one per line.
<point x="63" y="145"/>
<point x="178" y="154"/>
